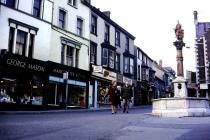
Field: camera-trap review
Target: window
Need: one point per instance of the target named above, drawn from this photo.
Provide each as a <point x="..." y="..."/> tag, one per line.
<point x="127" y="44"/>
<point x="11" y="3"/>
<point x="111" y="59"/>
<point x="79" y="26"/>
<point x="105" y="57"/>
<point x="20" y="43"/>
<point x="31" y="44"/>
<point x="139" y="72"/>
<point x="143" y="74"/>
<point x="93" y="53"/>
<point x="131" y="66"/>
<point x="117" y="67"/>
<point x="126" y="65"/>
<point x="117" y="38"/>
<point x="106" y="36"/>
<point x="93" y="28"/>
<point x="62" y="16"/>
<point x="67" y="56"/>
<point x="72" y="2"/>
<point x="37" y="8"/>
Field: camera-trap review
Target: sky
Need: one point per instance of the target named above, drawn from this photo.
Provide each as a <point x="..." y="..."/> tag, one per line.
<point x="152" y="22"/>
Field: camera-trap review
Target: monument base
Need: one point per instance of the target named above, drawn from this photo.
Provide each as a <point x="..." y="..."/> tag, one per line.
<point x="181" y="107"/>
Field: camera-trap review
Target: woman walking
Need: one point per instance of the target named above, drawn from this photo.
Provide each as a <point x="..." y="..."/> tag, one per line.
<point x="112" y="93"/>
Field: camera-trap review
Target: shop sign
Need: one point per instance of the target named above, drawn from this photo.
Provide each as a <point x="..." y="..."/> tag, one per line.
<point x="25" y="65"/>
<point x="76" y="74"/>
<point x="125" y="79"/>
<point x="97" y="68"/>
<point x="106" y="74"/>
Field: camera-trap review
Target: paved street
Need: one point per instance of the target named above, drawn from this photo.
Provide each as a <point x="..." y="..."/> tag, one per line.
<point x="102" y="125"/>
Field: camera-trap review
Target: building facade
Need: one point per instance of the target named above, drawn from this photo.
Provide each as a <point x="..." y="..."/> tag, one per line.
<point x="42" y="40"/>
<point x="145" y="77"/>
<point x="202" y="47"/>
<point x="111" y="55"/>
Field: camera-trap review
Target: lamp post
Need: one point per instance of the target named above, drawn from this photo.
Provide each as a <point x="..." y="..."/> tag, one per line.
<point x="65" y="77"/>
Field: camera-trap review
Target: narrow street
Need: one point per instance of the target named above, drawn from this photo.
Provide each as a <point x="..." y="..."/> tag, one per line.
<point x="138" y="124"/>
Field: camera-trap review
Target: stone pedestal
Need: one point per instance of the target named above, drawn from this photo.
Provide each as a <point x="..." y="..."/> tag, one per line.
<point x="180" y="88"/>
<point x="181" y="107"/>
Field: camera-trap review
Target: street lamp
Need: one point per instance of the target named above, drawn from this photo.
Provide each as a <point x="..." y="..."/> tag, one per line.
<point x="65" y="77"/>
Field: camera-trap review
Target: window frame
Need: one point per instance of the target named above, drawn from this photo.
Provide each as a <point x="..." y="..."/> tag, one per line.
<point x="80" y="28"/>
<point x="93" y="28"/>
<point x="37" y="8"/>
<point x="127" y="44"/>
<point x="117" y="38"/>
<point x="93" y="53"/>
<point x="117" y="62"/>
<point x="63" y="21"/>
<point x="107" y="33"/>
<point x="21" y="41"/>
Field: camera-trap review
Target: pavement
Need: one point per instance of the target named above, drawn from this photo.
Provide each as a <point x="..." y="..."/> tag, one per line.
<point x="101" y="109"/>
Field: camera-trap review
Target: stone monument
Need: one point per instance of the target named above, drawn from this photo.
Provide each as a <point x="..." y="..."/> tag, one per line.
<point x="180" y="105"/>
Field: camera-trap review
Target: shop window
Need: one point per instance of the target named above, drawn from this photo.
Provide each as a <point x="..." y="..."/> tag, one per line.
<point x="37" y="8"/>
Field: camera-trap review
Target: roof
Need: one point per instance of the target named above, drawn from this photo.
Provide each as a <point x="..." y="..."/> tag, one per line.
<point x="107" y="19"/>
<point x="144" y="52"/>
<point x="201" y="28"/>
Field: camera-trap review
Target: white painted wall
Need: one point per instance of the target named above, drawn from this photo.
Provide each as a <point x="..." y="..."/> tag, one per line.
<point x="42" y="39"/>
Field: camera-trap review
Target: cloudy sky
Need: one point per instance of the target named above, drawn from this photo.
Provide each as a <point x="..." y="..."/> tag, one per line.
<point x="152" y="23"/>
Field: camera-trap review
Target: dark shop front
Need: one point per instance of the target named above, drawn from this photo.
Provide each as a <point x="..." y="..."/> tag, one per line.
<point x="22" y="82"/>
<point x="76" y="86"/>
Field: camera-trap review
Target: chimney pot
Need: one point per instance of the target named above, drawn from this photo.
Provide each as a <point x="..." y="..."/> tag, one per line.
<point x="107" y="13"/>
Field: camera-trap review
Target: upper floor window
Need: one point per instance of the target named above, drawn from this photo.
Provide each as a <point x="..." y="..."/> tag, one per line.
<point x="128" y="65"/>
<point x="79" y="26"/>
<point x="37" y="8"/>
<point x="139" y="72"/>
<point x="62" y="17"/>
<point x="11" y="3"/>
<point x="108" y="58"/>
<point x="93" y="28"/>
<point x="69" y="56"/>
<point x="18" y="43"/>
<point x="117" y="38"/>
<point x="139" y="55"/>
<point x="117" y="63"/>
<point x="106" y="35"/>
<point x="93" y="53"/>
<point x="72" y="2"/>
<point x="127" y="44"/>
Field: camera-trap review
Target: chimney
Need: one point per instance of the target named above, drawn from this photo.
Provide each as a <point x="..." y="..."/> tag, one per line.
<point x="161" y="63"/>
<point x="195" y="13"/>
<point x="107" y="13"/>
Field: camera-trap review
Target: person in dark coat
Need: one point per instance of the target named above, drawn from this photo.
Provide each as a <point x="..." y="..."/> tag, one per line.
<point x="126" y="95"/>
<point x="112" y="94"/>
<point x="118" y="97"/>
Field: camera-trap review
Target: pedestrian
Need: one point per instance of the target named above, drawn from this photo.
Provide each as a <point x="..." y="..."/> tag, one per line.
<point x="112" y="94"/>
<point x="126" y="95"/>
<point x="118" y="97"/>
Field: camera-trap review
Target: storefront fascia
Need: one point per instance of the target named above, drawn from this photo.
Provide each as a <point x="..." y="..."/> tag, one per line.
<point x="101" y="79"/>
<point x="78" y="86"/>
<point x="23" y="80"/>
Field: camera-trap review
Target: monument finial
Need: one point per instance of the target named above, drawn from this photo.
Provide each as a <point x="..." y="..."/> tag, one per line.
<point x="179" y="32"/>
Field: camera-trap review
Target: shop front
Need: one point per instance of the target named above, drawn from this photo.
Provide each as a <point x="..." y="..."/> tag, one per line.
<point x="22" y="82"/>
<point x="71" y="91"/>
<point x="101" y="79"/>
